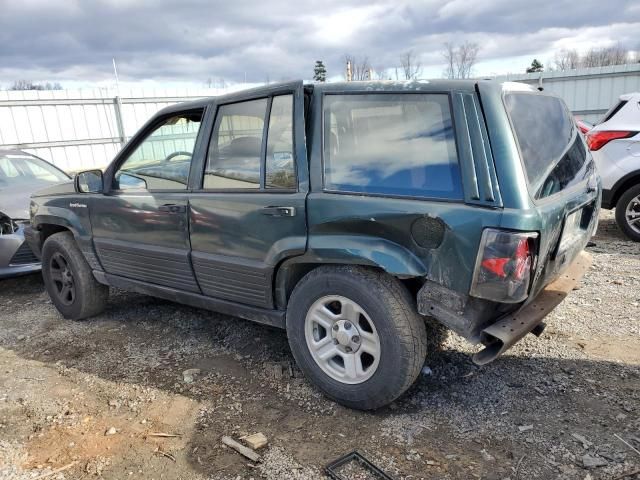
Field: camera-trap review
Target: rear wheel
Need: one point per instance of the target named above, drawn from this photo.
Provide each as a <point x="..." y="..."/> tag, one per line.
<point x="356" y="334"/>
<point x="69" y="280"/>
<point x="628" y="213"/>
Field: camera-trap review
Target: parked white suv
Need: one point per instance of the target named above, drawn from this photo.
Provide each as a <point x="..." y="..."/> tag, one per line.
<point x="615" y="145"/>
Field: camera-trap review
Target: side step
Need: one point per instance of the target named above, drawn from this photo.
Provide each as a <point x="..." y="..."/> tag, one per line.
<point x="507" y="331"/>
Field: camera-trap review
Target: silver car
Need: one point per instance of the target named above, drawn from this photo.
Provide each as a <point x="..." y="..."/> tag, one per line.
<point x="21" y="174"/>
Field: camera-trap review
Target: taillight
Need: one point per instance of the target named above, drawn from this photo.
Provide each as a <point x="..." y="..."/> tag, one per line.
<point x="504" y="267"/>
<point x="598" y="139"/>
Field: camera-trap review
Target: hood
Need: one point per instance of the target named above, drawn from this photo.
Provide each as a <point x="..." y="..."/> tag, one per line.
<point x="14" y="200"/>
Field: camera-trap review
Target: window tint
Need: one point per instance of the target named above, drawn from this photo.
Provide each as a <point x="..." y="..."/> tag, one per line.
<point x="236" y="146"/>
<point x="396" y="144"/>
<point x="553" y="154"/>
<point x="280" y="169"/>
<point x="163" y="159"/>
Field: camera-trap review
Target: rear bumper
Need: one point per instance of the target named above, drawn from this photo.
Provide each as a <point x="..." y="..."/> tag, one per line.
<point x="507" y="331"/>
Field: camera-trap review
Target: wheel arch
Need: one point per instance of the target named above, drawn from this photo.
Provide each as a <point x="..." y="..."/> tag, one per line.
<point x="389" y="258"/>
<point x="622" y="185"/>
<point x="48" y="226"/>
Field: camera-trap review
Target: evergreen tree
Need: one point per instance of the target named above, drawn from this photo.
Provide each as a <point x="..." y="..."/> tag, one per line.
<point x="319" y="72"/>
<point x="536" y="66"/>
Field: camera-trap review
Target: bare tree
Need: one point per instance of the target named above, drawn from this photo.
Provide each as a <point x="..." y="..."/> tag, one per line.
<point x="566" y="59"/>
<point x="603" y="57"/>
<point x="381" y="73"/>
<point x="29" y="85"/>
<point x="360" y="67"/>
<point x="411" y="66"/>
<point x="594" y="57"/>
<point x="460" y="59"/>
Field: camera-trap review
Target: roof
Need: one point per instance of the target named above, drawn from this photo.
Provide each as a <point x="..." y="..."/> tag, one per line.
<point x="13" y="151"/>
<point x="424" y="86"/>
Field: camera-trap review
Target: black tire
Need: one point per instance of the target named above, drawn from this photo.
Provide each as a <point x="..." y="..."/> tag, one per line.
<point x="63" y="265"/>
<point x="402" y="333"/>
<point x="621" y="207"/>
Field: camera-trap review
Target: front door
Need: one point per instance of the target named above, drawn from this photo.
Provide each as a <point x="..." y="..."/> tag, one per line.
<point x="140" y="225"/>
<point x="249" y="212"/>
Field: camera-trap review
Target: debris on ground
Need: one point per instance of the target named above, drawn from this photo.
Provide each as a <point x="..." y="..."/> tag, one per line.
<point x="241" y="449"/>
<point x="255" y="441"/>
<point x="189" y="375"/>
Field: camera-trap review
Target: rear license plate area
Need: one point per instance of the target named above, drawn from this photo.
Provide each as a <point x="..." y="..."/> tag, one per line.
<point x="576" y="228"/>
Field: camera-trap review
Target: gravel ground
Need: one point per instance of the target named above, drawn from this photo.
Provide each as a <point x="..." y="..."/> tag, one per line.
<point x="90" y="397"/>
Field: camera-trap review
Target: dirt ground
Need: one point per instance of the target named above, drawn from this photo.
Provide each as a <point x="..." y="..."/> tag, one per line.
<point x="91" y="397"/>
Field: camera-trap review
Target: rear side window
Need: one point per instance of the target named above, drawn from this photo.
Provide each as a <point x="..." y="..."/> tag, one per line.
<point x="235" y="149"/>
<point x="242" y="153"/>
<point x="612" y="112"/>
<point x="393" y="144"/>
<point x="553" y="154"/>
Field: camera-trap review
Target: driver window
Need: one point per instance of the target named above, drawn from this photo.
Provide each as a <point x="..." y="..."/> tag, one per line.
<point x="163" y="159"/>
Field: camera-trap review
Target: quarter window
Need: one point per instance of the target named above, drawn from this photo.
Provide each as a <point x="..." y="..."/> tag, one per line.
<point x="163" y="160"/>
<point x="394" y="144"/>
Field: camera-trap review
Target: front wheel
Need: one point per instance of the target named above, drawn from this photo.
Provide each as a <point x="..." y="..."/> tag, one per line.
<point x="69" y="280"/>
<point x="628" y="213"/>
<point x="356" y="334"/>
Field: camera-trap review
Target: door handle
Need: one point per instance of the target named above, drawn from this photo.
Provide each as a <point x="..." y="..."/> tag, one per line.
<point x="279" y="211"/>
<point x="172" y="208"/>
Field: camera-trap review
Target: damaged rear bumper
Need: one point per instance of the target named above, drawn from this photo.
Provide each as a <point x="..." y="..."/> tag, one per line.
<point x="503" y="334"/>
<point x="475" y="319"/>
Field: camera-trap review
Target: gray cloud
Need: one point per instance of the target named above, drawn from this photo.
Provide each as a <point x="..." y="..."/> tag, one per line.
<point x="192" y="40"/>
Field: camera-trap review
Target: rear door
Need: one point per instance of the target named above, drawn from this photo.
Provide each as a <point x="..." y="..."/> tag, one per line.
<point x="247" y="212"/>
<point x="140" y="225"/>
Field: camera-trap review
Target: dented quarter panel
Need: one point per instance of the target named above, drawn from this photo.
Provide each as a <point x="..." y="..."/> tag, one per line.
<point x="342" y="227"/>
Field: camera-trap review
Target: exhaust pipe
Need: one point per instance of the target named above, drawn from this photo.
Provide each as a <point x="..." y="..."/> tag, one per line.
<point x="507" y="331"/>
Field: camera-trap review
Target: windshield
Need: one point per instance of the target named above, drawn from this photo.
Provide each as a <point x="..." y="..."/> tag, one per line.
<point x="17" y="169"/>
<point x="553" y="153"/>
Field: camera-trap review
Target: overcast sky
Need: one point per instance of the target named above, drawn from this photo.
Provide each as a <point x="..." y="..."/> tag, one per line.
<point x="174" y="42"/>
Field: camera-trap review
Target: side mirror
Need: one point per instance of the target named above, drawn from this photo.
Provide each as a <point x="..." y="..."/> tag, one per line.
<point x="89" y="182"/>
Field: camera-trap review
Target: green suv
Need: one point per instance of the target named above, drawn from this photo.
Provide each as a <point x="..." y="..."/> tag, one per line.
<point x="349" y="214"/>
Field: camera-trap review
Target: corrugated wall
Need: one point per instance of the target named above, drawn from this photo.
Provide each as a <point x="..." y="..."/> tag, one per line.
<point x="589" y="92"/>
<point x="81" y="129"/>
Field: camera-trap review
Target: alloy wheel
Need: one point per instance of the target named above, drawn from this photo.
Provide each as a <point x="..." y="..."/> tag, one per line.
<point x="632" y="214"/>
<point x="62" y="279"/>
<point x="342" y="339"/>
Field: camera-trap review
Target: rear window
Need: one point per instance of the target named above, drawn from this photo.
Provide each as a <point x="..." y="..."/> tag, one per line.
<point x="554" y="155"/>
<point x="393" y="144"/>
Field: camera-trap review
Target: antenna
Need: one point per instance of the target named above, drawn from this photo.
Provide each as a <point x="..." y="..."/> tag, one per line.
<point x="115" y="72"/>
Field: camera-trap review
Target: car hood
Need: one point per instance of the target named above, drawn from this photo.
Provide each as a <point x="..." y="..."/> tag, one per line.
<point x="14" y="200"/>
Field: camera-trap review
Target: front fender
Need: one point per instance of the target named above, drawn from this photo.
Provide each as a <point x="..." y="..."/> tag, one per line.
<point x="60" y="217"/>
<point x="69" y="213"/>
